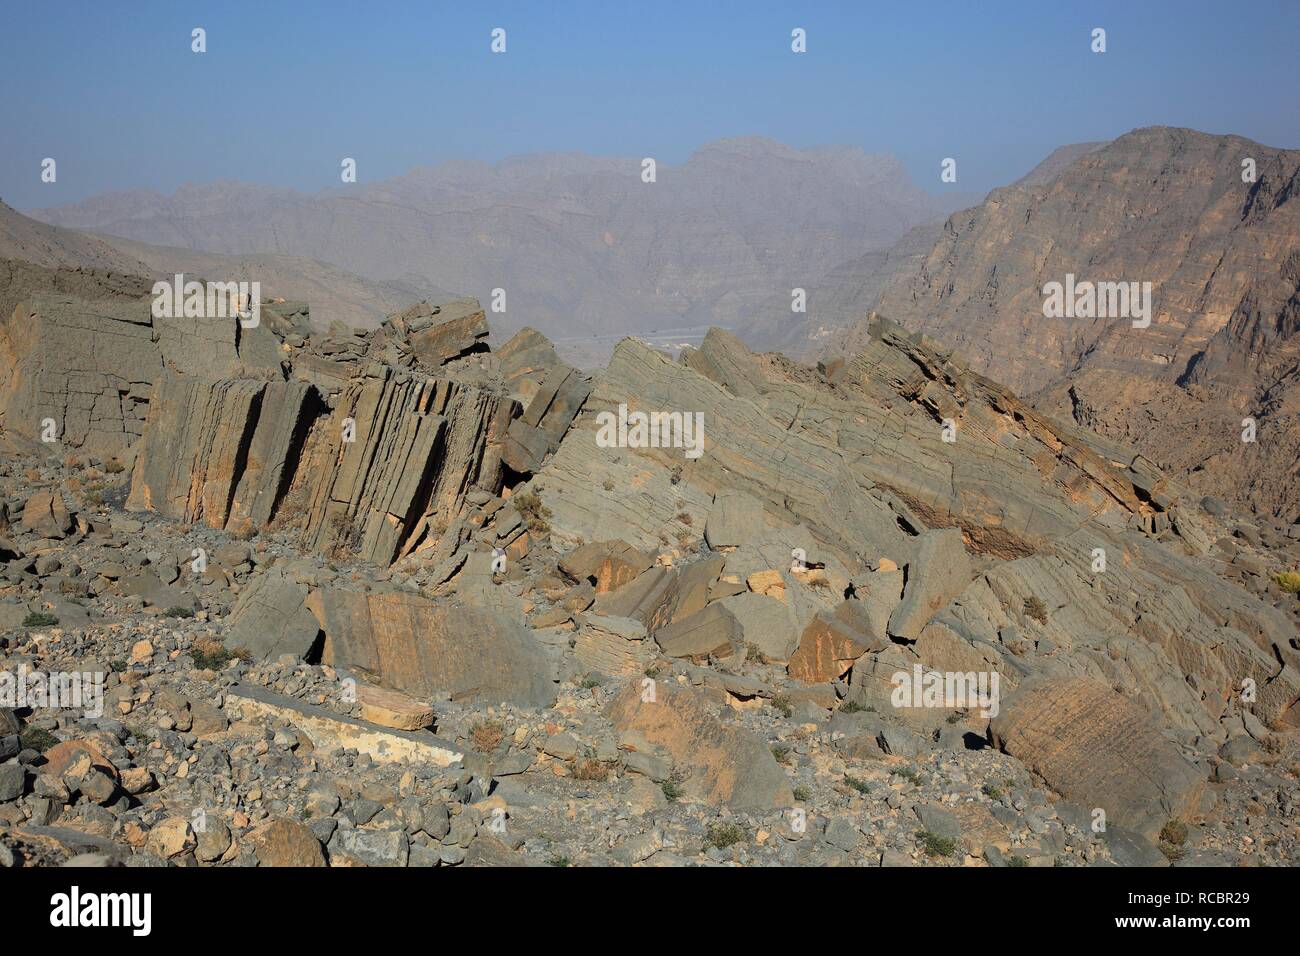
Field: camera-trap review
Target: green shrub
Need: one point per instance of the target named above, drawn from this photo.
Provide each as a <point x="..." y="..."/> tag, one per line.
<point x="530" y="507"/>
<point x="38" y="739"/>
<point x="40" y="619"/>
<point x="935" y="845"/>
<point x="1288" y="581"/>
<point x="723" y="835"/>
<point x="1175" y="832"/>
<point x="857" y="783"/>
<point x="212" y="655"/>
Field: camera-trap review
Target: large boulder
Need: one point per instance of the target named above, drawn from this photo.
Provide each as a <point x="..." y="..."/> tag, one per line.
<point x="439" y="333"/>
<point x="712" y="631"/>
<point x="271" y="618"/>
<point x="940" y="571"/>
<point x="46" y="515"/>
<point x="765" y="623"/>
<point x="537" y="432"/>
<point x="405" y="641"/>
<point x="832" y="642"/>
<point x="617" y="646"/>
<point x="286" y="843"/>
<point x="722" y="764"/>
<point x="1099" y="749"/>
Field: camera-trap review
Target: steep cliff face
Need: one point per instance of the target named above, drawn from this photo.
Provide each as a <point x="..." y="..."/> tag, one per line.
<point x="1169" y="207"/>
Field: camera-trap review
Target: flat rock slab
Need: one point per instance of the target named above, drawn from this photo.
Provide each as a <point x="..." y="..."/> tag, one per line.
<point x="736" y="519"/>
<point x="409" y="643"/>
<point x="723" y="764"/>
<point x="711" y="631"/>
<point x="607" y="564"/>
<point x="270" y="618"/>
<point x="941" y="571"/>
<point x="765" y="622"/>
<point x="1098" y="749"/>
<point x="389" y="708"/>
<point x="329" y="731"/>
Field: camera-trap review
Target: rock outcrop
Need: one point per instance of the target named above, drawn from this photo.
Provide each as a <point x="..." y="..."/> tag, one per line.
<point x="1170" y="207"/>
<point x="1099" y="749"/>
<point x="724" y="765"/>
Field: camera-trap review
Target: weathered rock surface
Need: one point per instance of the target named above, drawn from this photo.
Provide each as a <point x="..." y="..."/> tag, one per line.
<point x="607" y="564"/>
<point x="1221" y="343"/>
<point x="410" y="643"/>
<point x="331" y="731"/>
<point x="937" y="574"/>
<point x="726" y="765"/>
<point x="271" y="618"/>
<point x="831" y="643"/>
<point x="617" y="646"/>
<point x="1099" y="749"/>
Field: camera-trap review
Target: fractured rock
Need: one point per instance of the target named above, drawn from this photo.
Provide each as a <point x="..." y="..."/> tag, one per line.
<point x="940" y="571"/>
<point x="388" y="708"/>
<point x="617" y="646"/>
<point x="330" y="731"/>
<point x="407" y="642"/>
<point x="46" y="515"/>
<point x="1098" y="749"/>
<point x="723" y="764"/>
<point x="607" y="564"/>
<point x="270" y="618"/>
<point x="831" y="643"/>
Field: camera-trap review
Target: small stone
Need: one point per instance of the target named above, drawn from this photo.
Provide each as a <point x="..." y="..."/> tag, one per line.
<point x="171" y="837"/>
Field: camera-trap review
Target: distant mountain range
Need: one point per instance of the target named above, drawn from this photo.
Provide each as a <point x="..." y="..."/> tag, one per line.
<point x="580" y="244"/>
<point x="588" y="252"/>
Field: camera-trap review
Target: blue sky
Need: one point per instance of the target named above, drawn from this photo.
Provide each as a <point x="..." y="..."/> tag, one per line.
<point x="286" y="89"/>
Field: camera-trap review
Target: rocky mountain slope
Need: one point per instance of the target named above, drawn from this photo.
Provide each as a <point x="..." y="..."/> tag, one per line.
<point x="391" y="597"/>
<point x="580" y="244"/>
<point x="31" y="254"/>
<point x="1159" y="205"/>
<point x="852" y="290"/>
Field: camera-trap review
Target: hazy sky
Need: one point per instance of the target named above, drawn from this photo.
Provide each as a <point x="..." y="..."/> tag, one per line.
<point x="113" y="92"/>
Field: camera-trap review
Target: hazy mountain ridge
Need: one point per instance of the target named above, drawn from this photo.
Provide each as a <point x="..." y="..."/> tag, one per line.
<point x="76" y="261"/>
<point x="580" y="244"/>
